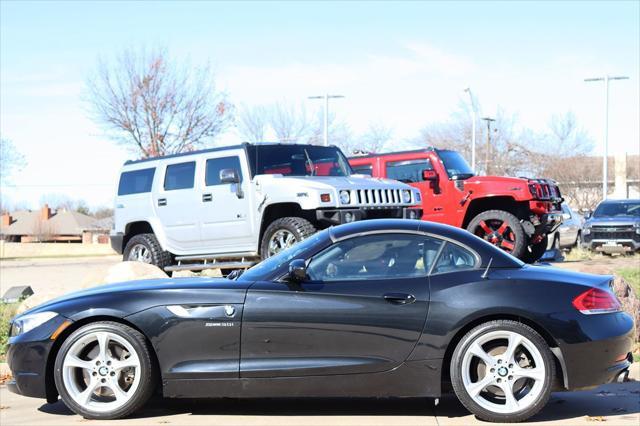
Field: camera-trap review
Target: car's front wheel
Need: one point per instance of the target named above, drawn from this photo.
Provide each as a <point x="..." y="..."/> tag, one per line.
<point x="283" y="233"/>
<point x="104" y="371"/>
<point x="146" y="248"/>
<point x="502" y="371"/>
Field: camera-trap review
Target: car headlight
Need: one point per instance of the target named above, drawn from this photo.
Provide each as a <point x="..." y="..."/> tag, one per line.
<point x="586" y="230"/>
<point x="406" y="196"/>
<point x="25" y="323"/>
<point x="637" y="226"/>
<point x="345" y="198"/>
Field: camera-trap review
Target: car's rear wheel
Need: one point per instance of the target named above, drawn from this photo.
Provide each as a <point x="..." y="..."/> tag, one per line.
<point x="283" y="233"/>
<point x="145" y="248"/>
<point x="104" y="371"/>
<point x="501" y="229"/>
<point x="502" y="371"/>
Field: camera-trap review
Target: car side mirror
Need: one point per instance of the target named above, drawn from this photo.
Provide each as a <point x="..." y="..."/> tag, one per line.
<point x="229" y="176"/>
<point x="588" y="214"/>
<point x="298" y="270"/>
<point x="429" y="175"/>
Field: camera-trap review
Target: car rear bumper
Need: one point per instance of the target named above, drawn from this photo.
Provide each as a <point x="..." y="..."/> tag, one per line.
<point x="340" y="216"/>
<point x="599" y="350"/>
<point x="117" y="241"/>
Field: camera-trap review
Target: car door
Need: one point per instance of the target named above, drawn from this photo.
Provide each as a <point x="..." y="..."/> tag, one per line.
<point x="571" y="227"/>
<point x="361" y="310"/>
<point x="410" y="171"/>
<point x="175" y="202"/>
<point x="225" y="220"/>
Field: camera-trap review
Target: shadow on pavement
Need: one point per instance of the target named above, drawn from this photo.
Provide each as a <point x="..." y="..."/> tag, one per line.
<point x="615" y="399"/>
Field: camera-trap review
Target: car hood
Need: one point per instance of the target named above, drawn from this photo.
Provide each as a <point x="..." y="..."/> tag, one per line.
<point x="613" y="221"/>
<point x="131" y="296"/>
<point x="335" y="182"/>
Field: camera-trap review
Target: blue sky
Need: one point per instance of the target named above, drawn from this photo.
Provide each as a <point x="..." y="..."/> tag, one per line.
<point x="402" y="64"/>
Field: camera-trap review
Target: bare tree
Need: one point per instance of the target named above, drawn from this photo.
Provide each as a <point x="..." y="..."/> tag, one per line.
<point x="155" y="105"/>
<point x="11" y="160"/>
<point x="289" y="122"/>
<point x="253" y="122"/>
<point x="375" y="138"/>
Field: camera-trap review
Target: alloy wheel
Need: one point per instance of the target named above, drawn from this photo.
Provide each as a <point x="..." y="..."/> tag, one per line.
<point x="101" y="371"/>
<point x="503" y="372"/>
<point x="280" y="240"/>
<point x="497" y="232"/>
<point x="140" y="253"/>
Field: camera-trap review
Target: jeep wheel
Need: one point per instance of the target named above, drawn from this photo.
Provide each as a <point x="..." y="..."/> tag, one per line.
<point x="283" y="233"/>
<point x="501" y="229"/>
<point x="145" y="248"/>
<point x="535" y="251"/>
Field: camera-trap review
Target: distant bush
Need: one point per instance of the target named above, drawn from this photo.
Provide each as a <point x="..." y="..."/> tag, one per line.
<point x="7" y="311"/>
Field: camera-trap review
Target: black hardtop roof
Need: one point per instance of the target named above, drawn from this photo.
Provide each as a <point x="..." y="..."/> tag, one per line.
<point x="410" y="151"/>
<point x="243" y="145"/>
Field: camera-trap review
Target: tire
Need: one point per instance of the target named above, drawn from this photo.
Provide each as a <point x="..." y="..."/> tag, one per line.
<point x="535" y="251"/>
<point x="488" y="226"/>
<point x="292" y="229"/>
<point x="578" y="243"/>
<point x="498" y="372"/>
<point x="146" y="248"/>
<point x="93" y="369"/>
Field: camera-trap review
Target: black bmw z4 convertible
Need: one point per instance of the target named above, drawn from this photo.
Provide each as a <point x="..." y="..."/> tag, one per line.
<point x="379" y="308"/>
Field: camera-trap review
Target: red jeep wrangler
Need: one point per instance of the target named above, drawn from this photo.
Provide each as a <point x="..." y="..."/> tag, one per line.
<point x="515" y="214"/>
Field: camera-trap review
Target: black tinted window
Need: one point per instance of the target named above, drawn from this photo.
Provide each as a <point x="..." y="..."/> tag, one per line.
<point x="365" y="169"/>
<point x="180" y="176"/>
<point x="136" y="181"/>
<point x="408" y="171"/>
<point x="454" y="258"/>
<point x="214" y="165"/>
<point x="375" y="257"/>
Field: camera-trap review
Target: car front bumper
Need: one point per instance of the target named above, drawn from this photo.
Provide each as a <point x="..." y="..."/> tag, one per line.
<point x="610" y="246"/>
<point x="340" y="216"/>
<point x="28" y="358"/>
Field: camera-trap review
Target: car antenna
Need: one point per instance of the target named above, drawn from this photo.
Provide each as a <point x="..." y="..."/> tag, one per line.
<point x="485" y="274"/>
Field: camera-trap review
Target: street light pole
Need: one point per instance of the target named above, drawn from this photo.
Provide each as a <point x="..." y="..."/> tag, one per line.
<point x="489" y="120"/>
<point x="473" y="129"/>
<point x="605" y="158"/>
<point x="326" y="98"/>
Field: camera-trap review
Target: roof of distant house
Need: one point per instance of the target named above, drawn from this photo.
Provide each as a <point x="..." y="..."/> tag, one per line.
<point x="60" y="222"/>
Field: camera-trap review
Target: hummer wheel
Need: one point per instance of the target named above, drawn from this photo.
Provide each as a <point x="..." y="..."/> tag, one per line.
<point x="501" y="229"/>
<point x="283" y="233"/>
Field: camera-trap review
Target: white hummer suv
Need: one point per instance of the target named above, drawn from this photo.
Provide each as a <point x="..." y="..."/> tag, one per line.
<point x="228" y="207"/>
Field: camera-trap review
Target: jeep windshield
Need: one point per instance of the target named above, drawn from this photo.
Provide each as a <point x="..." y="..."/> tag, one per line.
<point x="457" y="167"/>
<point x="618" y="209"/>
<point x="297" y="160"/>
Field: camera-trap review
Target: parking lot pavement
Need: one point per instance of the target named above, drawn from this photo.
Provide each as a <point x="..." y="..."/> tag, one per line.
<point x="614" y="404"/>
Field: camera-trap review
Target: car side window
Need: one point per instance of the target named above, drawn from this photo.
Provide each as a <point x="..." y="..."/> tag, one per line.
<point x="454" y="258"/>
<point x="375" y="257"/>
<point x="136" y="181"/>
<point x="214" y="165"/>
<point x="364" y="169"/>
<point x="179" y="176"/>
<point x="408" y="171"/>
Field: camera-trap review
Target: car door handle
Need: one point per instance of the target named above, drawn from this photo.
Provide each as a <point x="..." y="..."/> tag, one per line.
<point x="162" y="202"/>
<point x="207" y="198"/>
<point x="399" y="298"/>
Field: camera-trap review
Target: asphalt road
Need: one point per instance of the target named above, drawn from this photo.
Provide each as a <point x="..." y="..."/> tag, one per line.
<point x="615" y="404"/>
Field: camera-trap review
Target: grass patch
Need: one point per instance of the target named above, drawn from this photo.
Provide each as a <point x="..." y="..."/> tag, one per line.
<point x="578" y="254"/>
<point x="7" y="311"/>
<point x="632" y="276"/>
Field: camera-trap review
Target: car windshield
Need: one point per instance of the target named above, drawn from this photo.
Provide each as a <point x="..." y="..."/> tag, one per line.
<point x="457" y="167"/>
<point x="620" y="208"/>
<point x="277" y="261"/>
<point x="298" y="160"/>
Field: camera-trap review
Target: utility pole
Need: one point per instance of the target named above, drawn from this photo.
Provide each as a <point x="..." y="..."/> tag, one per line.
<point x="489" y="120"/>
<point x="473" y="129"/>
<point x="605" y="158"/>
<point x="326" y="98"/>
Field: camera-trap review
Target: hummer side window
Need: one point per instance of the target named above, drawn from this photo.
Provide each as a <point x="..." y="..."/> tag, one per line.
<point x="136" y="181"/>
<point x="408" y="171"/>
<point x="365" y="169"/>
<point x="179" y="176"/>
<point x="214" y="165"/>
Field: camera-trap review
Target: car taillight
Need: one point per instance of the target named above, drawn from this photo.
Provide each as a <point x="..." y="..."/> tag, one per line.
<point x="596" y="301"/>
